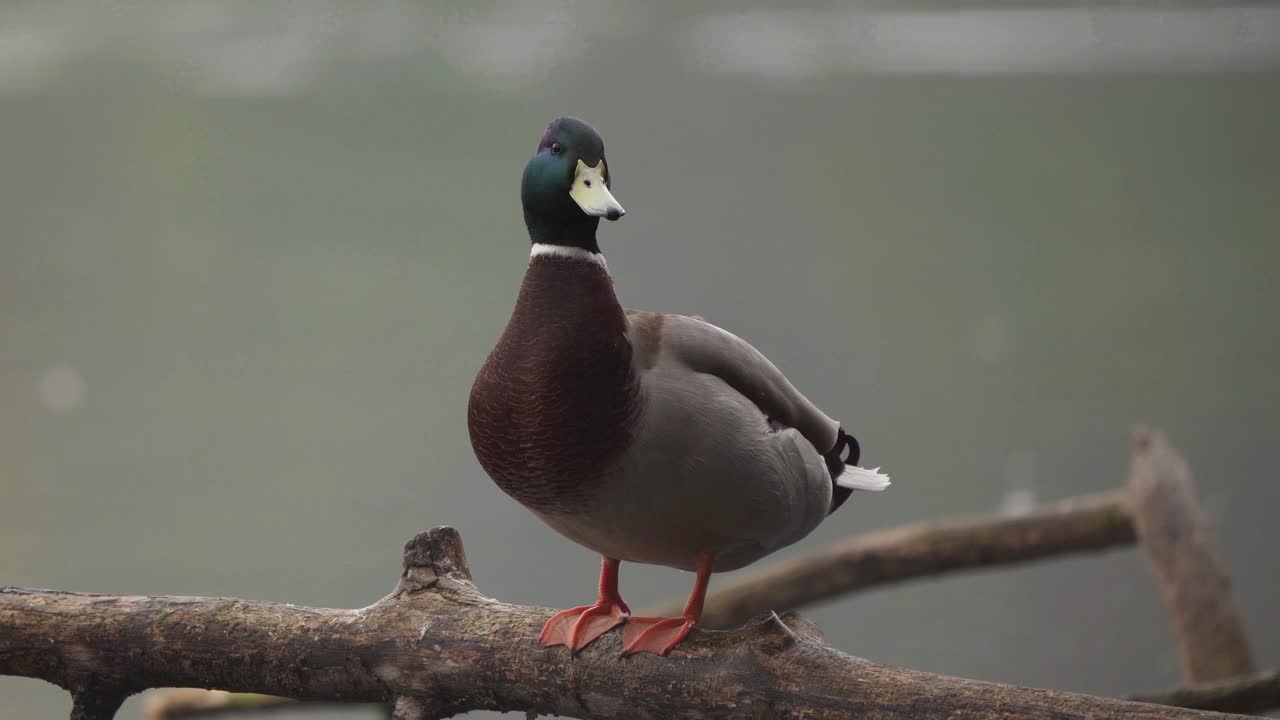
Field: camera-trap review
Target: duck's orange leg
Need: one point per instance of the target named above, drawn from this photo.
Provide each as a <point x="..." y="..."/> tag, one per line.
<point x="578" y="626"/>
<point x="659" y="635"/>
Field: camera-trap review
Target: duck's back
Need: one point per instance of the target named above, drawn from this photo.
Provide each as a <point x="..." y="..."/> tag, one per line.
<point x="550" y="410"/>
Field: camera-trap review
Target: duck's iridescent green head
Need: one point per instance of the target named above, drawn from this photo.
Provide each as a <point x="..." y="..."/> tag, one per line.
<point x="566" y="184"/>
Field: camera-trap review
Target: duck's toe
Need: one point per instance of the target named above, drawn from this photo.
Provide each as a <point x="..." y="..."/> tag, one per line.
<point x="654" y="635"/>
<point x="578" y="627"/>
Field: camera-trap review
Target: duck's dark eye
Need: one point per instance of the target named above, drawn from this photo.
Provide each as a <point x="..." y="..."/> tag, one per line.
<point x="587" y="183"/>
<point x="556" y="149"/>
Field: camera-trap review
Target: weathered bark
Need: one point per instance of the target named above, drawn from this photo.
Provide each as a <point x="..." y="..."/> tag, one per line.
<point x="90" y="705"/>
<point x="1173" y="531"/>
<point x="1085" y="524"/>
<point x="437" y="647"/>
<point x="1253" y="694"/>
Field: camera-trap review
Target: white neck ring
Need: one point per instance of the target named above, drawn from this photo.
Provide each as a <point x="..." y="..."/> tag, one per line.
<point x="567" y="252"/>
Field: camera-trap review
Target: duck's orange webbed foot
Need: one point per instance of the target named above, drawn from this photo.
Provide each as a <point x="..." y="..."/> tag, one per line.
<point x="659" y="635"/>
<point x="578" y="627"/>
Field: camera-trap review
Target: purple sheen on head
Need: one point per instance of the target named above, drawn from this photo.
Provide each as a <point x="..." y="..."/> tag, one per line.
<point x="549" y="137"/>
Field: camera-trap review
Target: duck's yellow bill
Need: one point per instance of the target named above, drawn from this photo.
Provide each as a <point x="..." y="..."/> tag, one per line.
<point x="592" y="194"/>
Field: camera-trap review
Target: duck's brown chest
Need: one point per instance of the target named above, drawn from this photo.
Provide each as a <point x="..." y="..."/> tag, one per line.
<point x="551" y="410"/>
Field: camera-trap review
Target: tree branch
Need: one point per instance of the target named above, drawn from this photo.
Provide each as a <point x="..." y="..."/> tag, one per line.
<point x="89" y="705"/>
<point x="173" y="703"/>
<point x="1253" y="694"/>
<point x="1159" y="507"/>
<point x="1208" y="629"/>
<point x="437" y="647"/>
<point x="1084" y="524"/>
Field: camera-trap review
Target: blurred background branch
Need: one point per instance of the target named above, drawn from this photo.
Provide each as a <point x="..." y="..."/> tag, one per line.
<point x="1174" y="532"/>
<point x="863" y="562"/>
<point x="1252" y="694"/>
<point x="1159" y="507"/>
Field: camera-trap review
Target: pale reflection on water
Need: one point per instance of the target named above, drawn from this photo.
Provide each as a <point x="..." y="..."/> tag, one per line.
<point x="253" y="49"/>
<point x="989" y="40"/>
<point x="256" y="49"/>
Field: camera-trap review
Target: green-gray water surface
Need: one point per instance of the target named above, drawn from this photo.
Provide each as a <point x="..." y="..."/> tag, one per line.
<point x="251" y="256"/>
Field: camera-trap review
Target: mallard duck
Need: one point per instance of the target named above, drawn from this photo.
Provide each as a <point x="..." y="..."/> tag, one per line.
<point x="645" y="437"/>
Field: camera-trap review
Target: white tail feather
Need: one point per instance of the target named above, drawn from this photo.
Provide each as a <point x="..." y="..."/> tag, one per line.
<point x="856" y="478"/>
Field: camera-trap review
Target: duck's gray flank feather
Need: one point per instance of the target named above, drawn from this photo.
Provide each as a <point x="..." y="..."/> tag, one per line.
<point x="705" y="348"/>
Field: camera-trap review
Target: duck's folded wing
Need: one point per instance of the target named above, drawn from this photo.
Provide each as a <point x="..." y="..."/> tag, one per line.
<point x="705" y="348"/>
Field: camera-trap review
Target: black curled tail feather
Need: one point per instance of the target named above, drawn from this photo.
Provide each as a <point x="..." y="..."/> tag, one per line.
<point x="836" y="463"/>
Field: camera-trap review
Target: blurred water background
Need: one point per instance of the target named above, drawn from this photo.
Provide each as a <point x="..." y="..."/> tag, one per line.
<point x="252" y="253"/>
